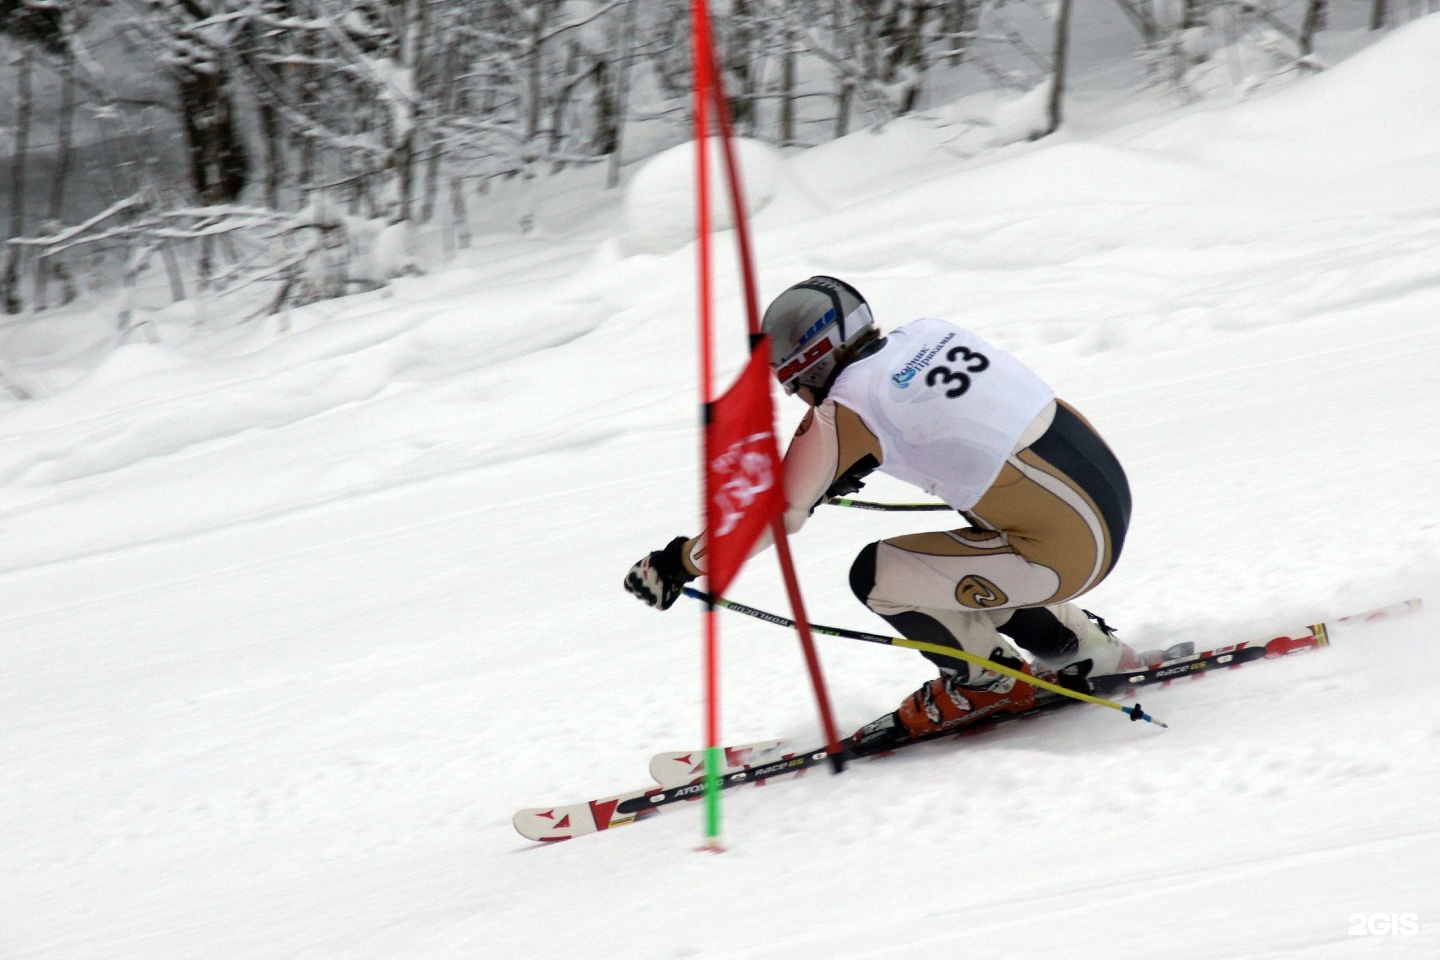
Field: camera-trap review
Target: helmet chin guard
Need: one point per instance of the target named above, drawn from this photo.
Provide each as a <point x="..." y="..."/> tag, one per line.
<point x="810" y="325"/>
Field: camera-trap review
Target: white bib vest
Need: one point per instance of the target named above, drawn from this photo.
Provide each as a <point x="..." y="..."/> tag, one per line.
<point x="947" y="407"/>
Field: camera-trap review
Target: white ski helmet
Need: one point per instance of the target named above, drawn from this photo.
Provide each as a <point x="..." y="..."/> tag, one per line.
<point x="808" y="325"/>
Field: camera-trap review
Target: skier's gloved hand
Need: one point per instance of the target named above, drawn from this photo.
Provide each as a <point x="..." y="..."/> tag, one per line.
<point x="659" y="577"/>
<point x="852" y="480"/>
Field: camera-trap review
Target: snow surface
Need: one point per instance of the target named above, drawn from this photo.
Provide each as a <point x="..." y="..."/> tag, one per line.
<point x="297" y="612"/>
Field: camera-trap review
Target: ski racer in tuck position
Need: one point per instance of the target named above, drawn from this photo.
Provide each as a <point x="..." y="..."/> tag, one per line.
<point x="1045" y="501"/>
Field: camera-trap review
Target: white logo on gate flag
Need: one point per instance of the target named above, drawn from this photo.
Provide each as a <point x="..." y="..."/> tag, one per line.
<point x="747" y="469"/>
<point x="743" y="488"/>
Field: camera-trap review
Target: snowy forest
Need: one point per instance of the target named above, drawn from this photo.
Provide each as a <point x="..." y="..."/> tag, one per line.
<point x="229" y="144"/>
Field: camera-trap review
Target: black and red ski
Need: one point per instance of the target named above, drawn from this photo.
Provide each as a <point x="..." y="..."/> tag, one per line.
<point x="680" y="773"/>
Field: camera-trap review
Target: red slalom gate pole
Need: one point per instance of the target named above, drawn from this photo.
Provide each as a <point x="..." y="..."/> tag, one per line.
<point x="807" y="644"/>
<point x="708" y="78"/>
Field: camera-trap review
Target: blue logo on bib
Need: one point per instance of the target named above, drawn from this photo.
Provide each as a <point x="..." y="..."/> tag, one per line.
<point x="919" y="362"/>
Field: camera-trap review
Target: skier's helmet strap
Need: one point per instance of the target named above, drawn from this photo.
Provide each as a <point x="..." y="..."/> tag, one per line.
<point x="808" y="324"/>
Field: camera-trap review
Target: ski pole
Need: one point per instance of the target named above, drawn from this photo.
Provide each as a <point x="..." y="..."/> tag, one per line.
<point x="1134" y="713"/>
<point x="889" y="507"/>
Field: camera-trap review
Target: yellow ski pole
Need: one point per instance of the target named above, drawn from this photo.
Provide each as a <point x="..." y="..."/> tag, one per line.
<point x="955" y="653"/>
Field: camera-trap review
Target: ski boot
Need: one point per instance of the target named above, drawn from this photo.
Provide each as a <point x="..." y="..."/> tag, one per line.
<point x="946" y="703"/>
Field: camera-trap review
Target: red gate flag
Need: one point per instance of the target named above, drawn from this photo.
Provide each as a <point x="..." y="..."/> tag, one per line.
<point x="744" y="489"/>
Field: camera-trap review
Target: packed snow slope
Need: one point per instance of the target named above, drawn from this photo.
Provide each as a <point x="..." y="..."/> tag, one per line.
<point x="292" y="620"/>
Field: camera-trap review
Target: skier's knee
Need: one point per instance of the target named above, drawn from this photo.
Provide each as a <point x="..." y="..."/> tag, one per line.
<point x="862" y="573"/>
<point x="1039" y="631"/>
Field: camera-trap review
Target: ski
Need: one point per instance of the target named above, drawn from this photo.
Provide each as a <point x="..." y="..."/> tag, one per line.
<point x="766" y="760"/>
<point x="1178" y="662"/>
<point x="1314" y="637"/>
<point x="547" y="824"/>
<point x="680" y="775"/>
<point x="676" y="767"/>
<point x="574" y="820"/>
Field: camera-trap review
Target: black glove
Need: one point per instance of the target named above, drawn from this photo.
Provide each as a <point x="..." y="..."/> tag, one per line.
<point x="852" y="480"/>
<point x="659" y="577"/>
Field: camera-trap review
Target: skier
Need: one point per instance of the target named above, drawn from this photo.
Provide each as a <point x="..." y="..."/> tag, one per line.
<point x="1046" y="503"/>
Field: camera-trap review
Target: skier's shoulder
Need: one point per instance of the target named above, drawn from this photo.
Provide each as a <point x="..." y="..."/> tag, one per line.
<point x="923" y="336"/>
<point x="927" y="332"/>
